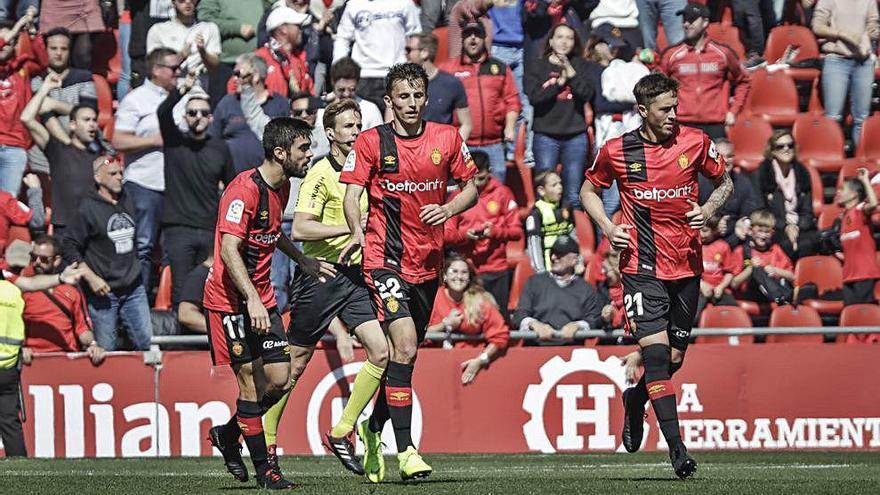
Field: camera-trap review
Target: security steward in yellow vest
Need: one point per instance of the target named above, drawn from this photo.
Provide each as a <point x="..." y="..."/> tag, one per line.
<point x="11" y="339"/>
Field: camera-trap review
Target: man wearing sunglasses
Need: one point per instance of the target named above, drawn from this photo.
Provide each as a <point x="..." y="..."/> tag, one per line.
<point x="196" y="163"/>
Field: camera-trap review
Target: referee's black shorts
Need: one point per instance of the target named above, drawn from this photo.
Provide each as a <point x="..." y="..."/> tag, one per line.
<point x="314" y="304"/>
<point x="653" y="306"/>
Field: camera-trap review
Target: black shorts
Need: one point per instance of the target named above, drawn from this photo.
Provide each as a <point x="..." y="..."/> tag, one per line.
<point x="653" y="306"/>
<point x="395" y="298"/>
<point x="232" y="341"/>
<point x="314" y="304"/>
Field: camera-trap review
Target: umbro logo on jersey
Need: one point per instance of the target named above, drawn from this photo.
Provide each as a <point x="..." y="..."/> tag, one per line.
<point x="409" y="186"/>
<point x="663" y="194"/>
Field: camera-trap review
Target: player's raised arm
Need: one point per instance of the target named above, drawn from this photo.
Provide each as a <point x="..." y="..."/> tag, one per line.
<point x="230" y="253"/>
<point x="352" y="209"/>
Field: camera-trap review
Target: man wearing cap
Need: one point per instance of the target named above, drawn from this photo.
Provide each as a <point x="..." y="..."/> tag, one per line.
<point x="284" y="54"/>
<point x="492" y="97"/>
<point x="558" y="303"/>
<point x="704" y="68"/>
<point x="101" y="240"/>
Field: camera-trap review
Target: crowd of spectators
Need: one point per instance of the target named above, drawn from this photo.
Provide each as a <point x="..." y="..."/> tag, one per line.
<point x="127" y="183"/>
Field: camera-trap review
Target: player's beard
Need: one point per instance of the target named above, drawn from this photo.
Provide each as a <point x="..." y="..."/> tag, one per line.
<point x="292" y="169"/>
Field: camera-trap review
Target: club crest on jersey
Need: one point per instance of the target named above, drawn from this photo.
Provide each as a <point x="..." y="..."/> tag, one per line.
<point x="392" y="304"/>
<point x="494" y="69"/>
<point x="635" y="167"/>
<point x="493" y="207"/>
<point x="436" y="156"/>
<point x="237" y="348"/>
<point x="683" y="161"/>
<point x="235" y="211"/>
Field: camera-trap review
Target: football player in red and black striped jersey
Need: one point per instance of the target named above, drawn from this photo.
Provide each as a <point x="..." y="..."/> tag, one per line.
<point x="656" y="169"/>
<point x="404" y="166"/>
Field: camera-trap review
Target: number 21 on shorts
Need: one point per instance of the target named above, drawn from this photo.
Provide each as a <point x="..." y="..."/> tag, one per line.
<point x="633" y="299"/>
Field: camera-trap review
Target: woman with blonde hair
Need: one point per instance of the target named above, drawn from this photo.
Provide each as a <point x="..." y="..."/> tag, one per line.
<point x="463" y="306"/>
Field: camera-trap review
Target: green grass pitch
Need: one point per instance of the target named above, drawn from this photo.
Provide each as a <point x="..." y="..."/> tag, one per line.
<point x="752" y="473"/>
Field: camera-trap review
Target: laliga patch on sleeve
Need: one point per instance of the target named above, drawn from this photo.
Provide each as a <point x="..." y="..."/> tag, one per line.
<point x="348" y="166"/>
<point x="713" y="151"/>
<point x="465" y="152"/>
<point x="235" y="211"/>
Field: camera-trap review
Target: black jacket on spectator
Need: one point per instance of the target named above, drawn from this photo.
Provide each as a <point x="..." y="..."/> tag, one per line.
<point x="544" y="300"/>
<point x="770" y="197"/>
<point x="103" y="235"/>
<point x="193" y="169"/>
<point x="741" y="204"/>
<point x="559" y="110"/>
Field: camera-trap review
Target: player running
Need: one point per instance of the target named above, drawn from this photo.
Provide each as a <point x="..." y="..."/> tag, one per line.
<point x="244" y="325"/>
<point x="404" y="166"/>
<point x="320" y="224"/>
<point x="656" y="169"/>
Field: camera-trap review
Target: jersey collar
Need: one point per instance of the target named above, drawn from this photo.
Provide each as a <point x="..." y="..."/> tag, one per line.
<point x="333" y="163"/>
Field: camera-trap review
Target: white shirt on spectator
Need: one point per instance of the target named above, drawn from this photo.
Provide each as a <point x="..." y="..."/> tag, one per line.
<point x="378" y="31"/>
<point x="175" y="35"/>
<point x="137" y="115"/>
<point x="370" y="117"/>
<point x="161" y="9"/>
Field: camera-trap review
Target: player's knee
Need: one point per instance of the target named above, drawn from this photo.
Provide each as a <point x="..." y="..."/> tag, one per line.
<point x="657" y="359"/>
<point x="405" y="353"/>
<point x="378" y="356"/>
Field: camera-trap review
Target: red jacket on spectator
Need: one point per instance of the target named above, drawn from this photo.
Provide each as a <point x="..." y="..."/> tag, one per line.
<point x="15" y="89"/>
<point x="48" y="328"/>
<point x="12" y="212"/>
<point x="491" y="93"/>
<point x="705" y="78"/>
<point x="495" y="208"/>
<point x="492" y="327"/>
<point x="278" y="79"/>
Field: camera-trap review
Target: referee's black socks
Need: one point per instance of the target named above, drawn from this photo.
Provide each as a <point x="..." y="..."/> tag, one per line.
<point x="250" y="420"/>
<point x="657" y="360"/>
<point x="398" y="395"/>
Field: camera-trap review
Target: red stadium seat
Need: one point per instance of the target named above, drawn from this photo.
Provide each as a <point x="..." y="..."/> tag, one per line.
<point x="861" y="315"/>
<point x="789" y="316"/>
<point x="818" y="190"/>
<point x="773" y="97"/>
<point x="749" y="136"/>
<point x="585" y="233"/>
<point x="727" y="34"/>
<point x="521" y="184"/>
<point x="163" y="294"/>
<point x="753" y="308"/>
<point x="819" y="142"/>
<point x="800" y="37"/>
<point x="520" y="275"/>
<point x="725" y="317"/>
<point x="829" y="214"/>
<point x="827" y="274"/>
<point x="516" y="251"/>
<point x="105" y="100"/>
<point x="850" y="169"/>
<point x="869" y="145"/>
<point x="442" y="34"/>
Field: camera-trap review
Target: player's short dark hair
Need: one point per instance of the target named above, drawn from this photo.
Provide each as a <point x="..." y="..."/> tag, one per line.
<point x="857" y="186"/>
<point x="429" y="43"/>
<point x="79" y="107"/>
<point x="156" y="56"/>
<point x="481" y="160"/>
<point x="281" y="132"/>
<point x="345" y="68"/>
<point x="541" y="178"/>
<point x="337" y="108"/>
<point x="653" y="85"/>
<point x="405" y="72"/>
<point x="57" y="31"/>
<point x="41" y="239"/>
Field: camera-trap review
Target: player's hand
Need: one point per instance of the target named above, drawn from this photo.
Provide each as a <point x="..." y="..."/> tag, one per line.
<point x="544" y="331"/>
<point x="96" y="353"/>
<point x="350" y="249"/>
<point x="619" y="236"/>
<point x="31" y="181"/>
<point x="470" y="369"/>
<point x="435" y="214"/>
<point x="319" y="269"/>
<point x="696" y="217"/>
<point x="259" y="316"/>
<point x="27" y="355"/>
<point x="569" y="330"/>
<point x="630" y="365"/>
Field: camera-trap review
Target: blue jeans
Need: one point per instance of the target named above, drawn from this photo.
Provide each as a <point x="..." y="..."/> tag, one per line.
<point x="132" y="306"/>
<point x="572" y="153"/>
<point x="842" y="76"/>
<point x="513" y="57"/>
<point x="124" y="83"/>
<point x="497" y="163"/>
<point x="21" y="7"/>
<point x="147" y="215"/>
<point x="12" y="164"/>
<point x="282" y="267"/>
<point x="651" y="10"/>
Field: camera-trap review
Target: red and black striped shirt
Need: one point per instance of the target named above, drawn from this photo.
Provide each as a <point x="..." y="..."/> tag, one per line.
<point x="655" y="181"/>
<point x="403" y="174"/>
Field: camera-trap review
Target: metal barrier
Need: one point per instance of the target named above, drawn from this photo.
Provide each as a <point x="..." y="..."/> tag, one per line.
<point x="583" y="334"/>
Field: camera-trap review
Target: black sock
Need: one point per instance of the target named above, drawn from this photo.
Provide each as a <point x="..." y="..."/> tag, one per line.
<point x="667" y="416"/>
<point x="251" y="423"/>
<point x="398" y="394"/>
<point x="657" y="360"/>
<point x="381" y="414"/>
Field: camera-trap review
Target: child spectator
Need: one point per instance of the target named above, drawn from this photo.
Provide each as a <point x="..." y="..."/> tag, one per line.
<point x="765" y="271"/>
<point x="547" y="221"/>
<point x="463" y="306"/>
<point x="860" y="267"/>
<point x="717" y="268"/>
<point x="610" y="286"/>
